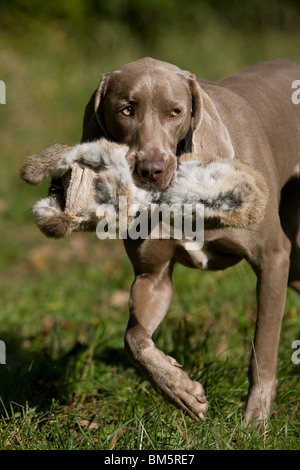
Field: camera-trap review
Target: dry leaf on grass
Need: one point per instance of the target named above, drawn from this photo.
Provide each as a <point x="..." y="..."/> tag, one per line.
<point x="119" y="299"/>
<point x="88" y="424"/>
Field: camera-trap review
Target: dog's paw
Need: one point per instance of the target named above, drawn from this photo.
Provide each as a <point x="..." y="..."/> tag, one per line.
<point x="168" y="379"/>
<point x="259" y="404"/>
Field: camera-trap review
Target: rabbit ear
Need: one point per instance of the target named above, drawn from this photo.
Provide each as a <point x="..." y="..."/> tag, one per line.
<point x="93" y="121"/>
<point x="38" y="168"/>
<point x="210" y="135"/>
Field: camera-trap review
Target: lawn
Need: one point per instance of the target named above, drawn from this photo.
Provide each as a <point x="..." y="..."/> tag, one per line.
<point x="67" y="383"/>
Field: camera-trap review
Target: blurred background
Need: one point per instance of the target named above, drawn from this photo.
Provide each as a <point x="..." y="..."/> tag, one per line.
<point x="52" y="55"/>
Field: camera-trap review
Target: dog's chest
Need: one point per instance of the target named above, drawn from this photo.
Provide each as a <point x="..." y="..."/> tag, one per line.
<point x="205" y="257"/>
<point x="192" y="254"/>
<point x="198" y="256"/>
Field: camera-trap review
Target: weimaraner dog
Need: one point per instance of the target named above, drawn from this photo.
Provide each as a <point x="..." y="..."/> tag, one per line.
<point x="161" y="111"/>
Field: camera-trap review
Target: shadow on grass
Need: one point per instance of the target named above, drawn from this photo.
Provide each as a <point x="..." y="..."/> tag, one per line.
<point x="36" y="374"/>
<point x="35" y="378"/>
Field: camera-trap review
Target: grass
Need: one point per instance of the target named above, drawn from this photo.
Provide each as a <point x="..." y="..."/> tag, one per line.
<point x="67" y="383"/>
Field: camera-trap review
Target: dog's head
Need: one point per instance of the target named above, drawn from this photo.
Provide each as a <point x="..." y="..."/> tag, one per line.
<point x="160" y="112"/>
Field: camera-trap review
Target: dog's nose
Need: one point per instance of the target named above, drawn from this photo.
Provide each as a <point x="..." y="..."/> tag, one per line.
<point x="152" y="170"/>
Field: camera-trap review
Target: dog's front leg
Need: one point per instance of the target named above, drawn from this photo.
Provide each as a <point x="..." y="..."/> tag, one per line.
<point x="150" y="298"/>
<point x="272" y="268"/>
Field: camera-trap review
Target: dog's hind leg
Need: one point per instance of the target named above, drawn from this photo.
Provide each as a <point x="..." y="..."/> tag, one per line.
<point x="271" y="265"/>
<point x="290" y="221"/>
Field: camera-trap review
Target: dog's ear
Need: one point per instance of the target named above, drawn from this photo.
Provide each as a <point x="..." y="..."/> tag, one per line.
<point x="210" y="135"/>
<point x="93" y="121"/>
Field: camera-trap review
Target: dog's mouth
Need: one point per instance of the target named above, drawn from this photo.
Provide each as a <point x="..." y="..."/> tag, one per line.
<point x="146" y="183"/>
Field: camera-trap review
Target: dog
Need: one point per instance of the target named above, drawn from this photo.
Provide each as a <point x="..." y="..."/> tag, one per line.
<point x="160" y="111"/>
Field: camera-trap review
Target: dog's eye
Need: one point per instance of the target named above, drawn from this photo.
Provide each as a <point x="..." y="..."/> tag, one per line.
<point x="174" y="113"/>
<point x="128" y="111"/>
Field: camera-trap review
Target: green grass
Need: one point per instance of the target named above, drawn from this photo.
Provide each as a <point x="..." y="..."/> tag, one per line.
<point x="67" y="383"/>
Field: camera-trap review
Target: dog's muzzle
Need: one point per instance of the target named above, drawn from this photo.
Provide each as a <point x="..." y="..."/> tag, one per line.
<point x="152" y="170"/>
